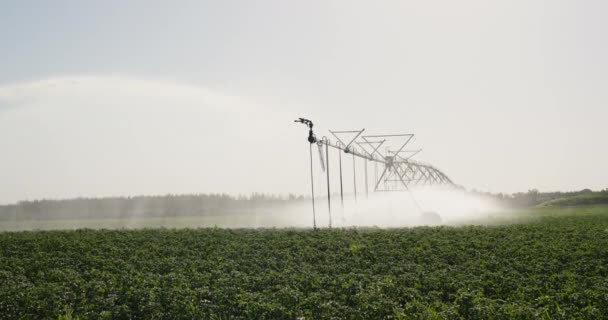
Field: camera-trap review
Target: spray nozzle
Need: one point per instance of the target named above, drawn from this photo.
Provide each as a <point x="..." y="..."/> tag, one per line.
<point x="311" y="136"/>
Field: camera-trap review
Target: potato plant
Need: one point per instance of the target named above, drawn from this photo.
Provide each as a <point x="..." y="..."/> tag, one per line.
<point x="554" y="267"/>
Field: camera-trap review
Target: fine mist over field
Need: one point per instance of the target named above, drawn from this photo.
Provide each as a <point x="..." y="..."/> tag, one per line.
<point x="425" y="206"/>
<point x="422" y="206"/>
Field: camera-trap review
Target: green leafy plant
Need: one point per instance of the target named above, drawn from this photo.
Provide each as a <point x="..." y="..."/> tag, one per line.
<point x="554" y="266"/>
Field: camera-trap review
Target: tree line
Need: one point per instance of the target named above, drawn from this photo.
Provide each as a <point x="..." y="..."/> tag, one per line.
<point x="534" y="198"/>
<point x="223" y="204"/>
<point x="142" y="206"/>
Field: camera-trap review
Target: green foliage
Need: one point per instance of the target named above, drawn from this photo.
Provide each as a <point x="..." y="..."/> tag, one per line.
<point x="142" y="206"/>
<point x="555" y="267"/>
<point x="591" y="198"/>
<point x="556" y="199"/>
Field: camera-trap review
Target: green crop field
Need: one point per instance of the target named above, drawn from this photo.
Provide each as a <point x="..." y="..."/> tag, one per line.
<point x="554" y="266"/>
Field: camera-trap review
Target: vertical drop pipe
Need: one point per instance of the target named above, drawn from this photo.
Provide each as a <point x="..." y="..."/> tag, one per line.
<point x="354" y="176"/>
<point x="327" y="171"/>
<point x="375" y="175"/>
<point x="341" y="188"/>
<point x="312" y="190"/>
<point x="366" y="184"/>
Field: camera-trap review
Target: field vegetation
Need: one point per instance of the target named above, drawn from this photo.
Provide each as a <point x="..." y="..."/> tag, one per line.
<point x="554" y="266"/>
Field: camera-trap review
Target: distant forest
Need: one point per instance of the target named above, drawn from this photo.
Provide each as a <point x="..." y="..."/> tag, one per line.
<point x="143" y="206"/>
<point x="222" y="204"/>
<point x="535" y="198"/>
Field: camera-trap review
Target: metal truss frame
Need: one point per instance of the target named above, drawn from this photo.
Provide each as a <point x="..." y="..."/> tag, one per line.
<point x="400" y="172"/>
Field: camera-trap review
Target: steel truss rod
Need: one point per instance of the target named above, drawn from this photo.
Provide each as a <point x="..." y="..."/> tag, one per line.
<point x="414" y="152"/>
<point x="408" y="135"/>
<point x="380" y="179"/>
<point x="434" y="175"/>
<point x="375" y="151"/>
<point x="346" y="145"/>
<point x="389" y="135"/>
<point x="423" y="175"/>
<point x="431" y="177"/>
<point x="408" y="190"/>
<point x="354" y="151"/>
<point x="360" y="144"/>
<point x="401" y="175"/>
<point x="427" y="174"/>
<point x="404" y="144"/>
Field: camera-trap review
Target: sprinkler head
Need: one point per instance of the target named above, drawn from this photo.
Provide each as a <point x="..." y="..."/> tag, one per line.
<point x="311" y="136"/>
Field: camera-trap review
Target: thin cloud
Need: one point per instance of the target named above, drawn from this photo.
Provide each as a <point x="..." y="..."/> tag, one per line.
<point x="36" y="92"/>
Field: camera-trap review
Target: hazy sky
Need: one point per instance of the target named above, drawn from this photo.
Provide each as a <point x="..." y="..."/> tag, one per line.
<point x="101" y="98"/>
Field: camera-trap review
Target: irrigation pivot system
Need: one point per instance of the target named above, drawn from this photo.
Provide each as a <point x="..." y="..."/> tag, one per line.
<point x="399" y="171"/>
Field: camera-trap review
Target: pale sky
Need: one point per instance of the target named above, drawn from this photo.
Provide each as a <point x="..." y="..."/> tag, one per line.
<point x="118" y="98"/>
